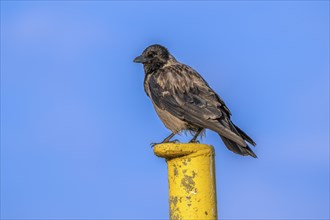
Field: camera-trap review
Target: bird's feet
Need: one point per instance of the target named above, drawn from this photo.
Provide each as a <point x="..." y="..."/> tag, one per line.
<point x="194" y="141"/>
<point x="174" y="141"/>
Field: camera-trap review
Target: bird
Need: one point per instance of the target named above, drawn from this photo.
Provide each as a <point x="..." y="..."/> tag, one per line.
<point x="184" y="101"/>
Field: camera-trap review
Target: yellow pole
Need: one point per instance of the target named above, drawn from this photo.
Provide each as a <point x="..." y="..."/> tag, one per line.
<point x="191" y="179"/>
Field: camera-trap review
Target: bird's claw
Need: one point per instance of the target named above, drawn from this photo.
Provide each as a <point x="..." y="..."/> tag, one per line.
<point x="174" y="141"/>
<point x="153" y="144"/>
<point x="194" y="141"/>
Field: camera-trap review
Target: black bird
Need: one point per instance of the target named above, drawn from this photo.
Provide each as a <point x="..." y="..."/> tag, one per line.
<point x="184" y="101"/>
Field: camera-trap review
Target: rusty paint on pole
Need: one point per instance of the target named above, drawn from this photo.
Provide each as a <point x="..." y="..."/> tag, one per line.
<point x="191" y="179"/>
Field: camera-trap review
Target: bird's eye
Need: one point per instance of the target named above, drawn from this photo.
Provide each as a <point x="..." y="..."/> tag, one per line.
<point x="151" y="55"/>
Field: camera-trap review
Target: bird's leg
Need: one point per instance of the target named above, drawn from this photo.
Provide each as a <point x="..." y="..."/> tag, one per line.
<point x="166" y="140"/>
<point x="193" y="140"/>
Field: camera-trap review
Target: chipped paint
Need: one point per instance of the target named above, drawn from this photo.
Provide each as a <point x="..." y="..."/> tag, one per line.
<point x="188" y="183"/>
<point x="175" y="171"/>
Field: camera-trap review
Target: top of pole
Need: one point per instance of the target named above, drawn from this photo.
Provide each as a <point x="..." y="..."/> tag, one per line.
<point x="174" y="150"/>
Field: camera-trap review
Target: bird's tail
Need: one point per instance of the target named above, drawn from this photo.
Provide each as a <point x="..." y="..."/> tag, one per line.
<point x="244" y="135"/>
<point x="237" y="148"/>
<point x="234" y="147"/>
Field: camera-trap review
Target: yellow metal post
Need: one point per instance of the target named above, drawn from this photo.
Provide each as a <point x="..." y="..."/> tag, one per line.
<point x="191" y="179"/>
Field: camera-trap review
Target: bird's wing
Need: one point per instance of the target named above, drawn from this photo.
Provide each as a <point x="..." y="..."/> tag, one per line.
<point x="182" y="92"/>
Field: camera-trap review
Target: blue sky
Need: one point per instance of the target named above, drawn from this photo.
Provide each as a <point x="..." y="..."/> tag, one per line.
<point x="76" y="124"/>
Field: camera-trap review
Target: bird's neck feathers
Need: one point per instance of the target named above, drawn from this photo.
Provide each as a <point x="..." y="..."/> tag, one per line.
<point x="154" y="66"/>
<point x="171" y="60"/>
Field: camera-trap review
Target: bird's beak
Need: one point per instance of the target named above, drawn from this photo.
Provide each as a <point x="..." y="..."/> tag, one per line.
<point x="141" y="59"/>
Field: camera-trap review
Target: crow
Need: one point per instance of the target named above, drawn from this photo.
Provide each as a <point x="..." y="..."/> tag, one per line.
<point x="184" y="101"/>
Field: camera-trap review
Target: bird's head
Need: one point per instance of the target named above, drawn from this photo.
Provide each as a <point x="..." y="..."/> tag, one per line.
<point x="154" y="57"/>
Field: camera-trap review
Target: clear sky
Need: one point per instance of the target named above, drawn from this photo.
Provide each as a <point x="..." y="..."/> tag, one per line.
<point x="76" y="125"/>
